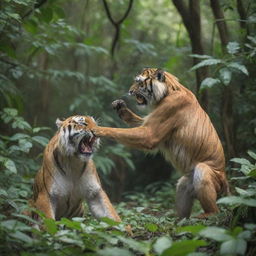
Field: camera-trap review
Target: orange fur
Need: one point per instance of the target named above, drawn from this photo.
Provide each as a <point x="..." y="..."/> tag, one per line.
<point x="179" y="128"/>
<point x="67" y="178"/>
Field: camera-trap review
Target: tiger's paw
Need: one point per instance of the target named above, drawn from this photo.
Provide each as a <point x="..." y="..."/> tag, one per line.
<point x="118" y="104"/>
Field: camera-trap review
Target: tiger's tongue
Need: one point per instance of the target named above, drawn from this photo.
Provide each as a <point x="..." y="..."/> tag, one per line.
<point x="86" y="148"/>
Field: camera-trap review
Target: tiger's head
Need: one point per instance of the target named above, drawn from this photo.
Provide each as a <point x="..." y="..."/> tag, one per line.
<point x="152" y="85"/>
<point x="76" y="138"/>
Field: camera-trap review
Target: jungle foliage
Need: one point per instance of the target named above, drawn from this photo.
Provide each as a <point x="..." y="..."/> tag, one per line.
<point x="59" y="58"/>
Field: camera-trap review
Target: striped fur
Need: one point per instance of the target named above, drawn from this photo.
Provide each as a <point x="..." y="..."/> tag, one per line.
<point x="179" y="128"/>
<point x="68" y="175"/>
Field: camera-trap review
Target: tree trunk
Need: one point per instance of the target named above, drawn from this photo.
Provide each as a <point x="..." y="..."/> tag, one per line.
<point x="227" y="114"/>
<point x="45" y="90"/>
<point x="192" y="21"/>
<point x="220" y="22"/>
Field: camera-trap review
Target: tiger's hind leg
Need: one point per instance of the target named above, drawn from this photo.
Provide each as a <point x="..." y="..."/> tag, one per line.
<point x="184" y="196"/>
<point x="205" y="187"/>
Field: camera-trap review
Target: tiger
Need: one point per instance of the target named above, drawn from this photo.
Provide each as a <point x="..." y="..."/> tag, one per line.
<point x="180" y="129"/>
<point x="68" y="175"/>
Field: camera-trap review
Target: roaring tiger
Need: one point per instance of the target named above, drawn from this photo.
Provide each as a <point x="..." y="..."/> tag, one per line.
<point x="179" y="128"/>
<point x="68" y="175"/>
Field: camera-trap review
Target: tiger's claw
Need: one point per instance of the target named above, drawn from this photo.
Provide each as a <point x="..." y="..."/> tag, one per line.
<point x="118" y="104"/>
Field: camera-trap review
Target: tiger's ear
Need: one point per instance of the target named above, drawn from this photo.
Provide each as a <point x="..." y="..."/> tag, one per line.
<point x="160" y="75"/>
<point x="58" y="122"/>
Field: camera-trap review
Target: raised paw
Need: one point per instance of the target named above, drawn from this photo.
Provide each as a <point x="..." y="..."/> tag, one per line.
<point x="117" y="104"/>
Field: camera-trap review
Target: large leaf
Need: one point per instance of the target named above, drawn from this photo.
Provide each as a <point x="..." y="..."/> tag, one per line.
<point x="209" y="82"/>
<point x="237" y="200"/>
<point x="10" y="165"/>
<point x="199" y="56"/>
<point x="143" y="247"/>
<point x="192" y="229"/>
<point x="184" y="247"/>
<point x="233" y="247"/>
<point x="215" y="233"/>
<point x="233" y="47"/>
<point x="241" y="161"/>
<point x="238" y="67"/>
<point x="207" y="62"/>
<point x="22" y="237"/>
<point x="151" y="227"/>
<point x="225" y="76"/>
<point x="161" y="244"/>
<point x="25" y="145"/>
<point x="251" y="154"/>
<point x="114" y="251"/>
<point x="41" y="140"/>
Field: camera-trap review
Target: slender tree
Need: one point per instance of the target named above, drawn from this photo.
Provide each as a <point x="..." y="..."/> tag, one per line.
<point x="116" y="23"/>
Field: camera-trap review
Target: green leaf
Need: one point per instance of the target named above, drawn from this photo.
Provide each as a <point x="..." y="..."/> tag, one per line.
<point x="241" y="161"/>
<point x="114" y="251"/>
<point x="208" y="62"/>
<point x="11" y="111"/>
<point x="9" y="50"/>
<point x="252" y="173"/>
<point x="192" y="229"/>
<point x="209" y="82"/>
<point x="50" y="226"/>
<point x="21" y="236"/>
<point x="250" y="226"/>
<point x="225" y="76"/>
<point x="70" y="223"/>
<point x="109" y="221"/>
<point x="233" y="247"/>
<point x="238" y="67"/>
<point x="46" y="14"/>
<point x="143" y="247"/>
<point x="215" y="233"/>
<point x="14" y="225"/>
<point x="199" y="56"/>
<point x="246" y="235"/>
<point x="41" y="140"/>
<point x="251" y="154"/>
<point x="245" y="193"/>
<point x="10" y="165"/>
<point x="59" y="12"/>
<point x="3" y="193"/>
<point x="25" y="145"/>
<point x="233" y="47"/>
<point x="38" y="129"/>
<point x="31" y="26"/>
<point x="151" y="227"/>
<point x="184" y="247"/>
<point x="236" y="200"/>
<point x="14" y="16"/>
<point x="19" y="136"/>
<point x="161" y="244"/>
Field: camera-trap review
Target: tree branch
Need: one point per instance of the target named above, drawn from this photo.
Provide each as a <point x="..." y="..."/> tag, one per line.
<point x="220" y="21"/>
<point x="116" y="24"/>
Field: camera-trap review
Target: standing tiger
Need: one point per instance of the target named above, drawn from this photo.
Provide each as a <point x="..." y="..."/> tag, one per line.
<point x="68" y="175"/>
<point x="178" y="127"/>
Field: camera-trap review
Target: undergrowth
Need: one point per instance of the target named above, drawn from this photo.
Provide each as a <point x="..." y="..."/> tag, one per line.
<point x="150" y="212"/>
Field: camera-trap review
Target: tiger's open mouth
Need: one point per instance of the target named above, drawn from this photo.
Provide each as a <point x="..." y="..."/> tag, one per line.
<point x="141" y="100"/>
<point x="86" y="145"/>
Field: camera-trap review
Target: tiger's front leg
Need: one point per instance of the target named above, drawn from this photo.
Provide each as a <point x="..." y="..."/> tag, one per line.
<point x="101" y="206"/>
<point x="126" y="114"/>
<point x="138" y="137"/>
